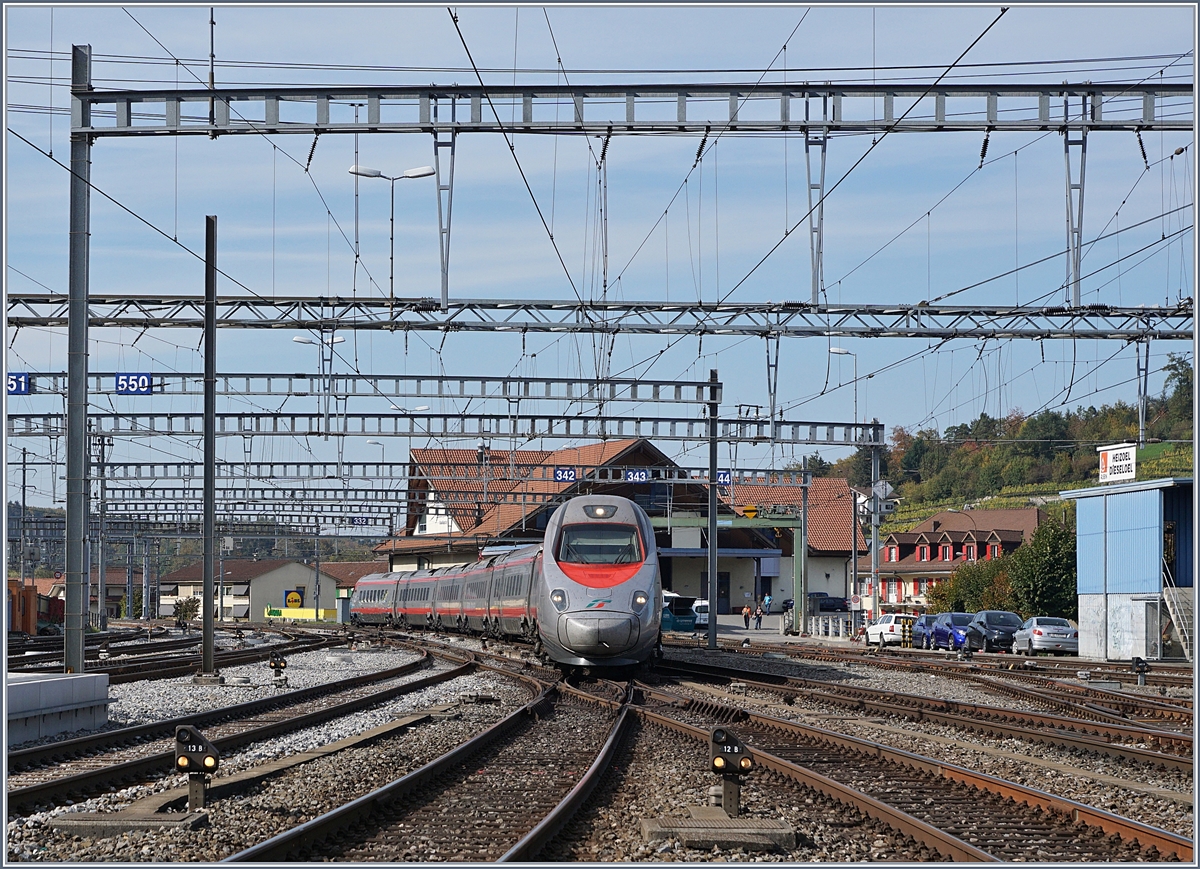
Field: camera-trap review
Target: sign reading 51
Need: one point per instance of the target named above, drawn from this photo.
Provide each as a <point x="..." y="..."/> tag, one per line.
<point x="19" y="383"/>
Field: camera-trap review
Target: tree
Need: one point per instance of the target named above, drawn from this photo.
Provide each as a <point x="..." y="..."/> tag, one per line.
<point x="137" y="605"/>
<point x="817" y="466"/>
<point x="974" y="586"/>
<point x="187" y="609"/>
<point x="1043" y="573"/>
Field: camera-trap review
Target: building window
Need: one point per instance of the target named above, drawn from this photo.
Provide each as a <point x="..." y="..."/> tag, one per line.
<point x="922" y="553"/>
<point x="947" y="553"/>
<point x="893" y="553"/>
<point x="969" y="552"/>
<point x="922" y="586"/>
<point x="422" y="524"/>
<point x="993" y="550"/>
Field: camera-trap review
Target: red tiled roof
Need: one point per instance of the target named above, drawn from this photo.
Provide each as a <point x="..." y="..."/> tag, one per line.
<point x="458" y="484"/>
<point x="830" y="510"/>
<point x="1025" y="520"/>
<point x="347" y="573"/>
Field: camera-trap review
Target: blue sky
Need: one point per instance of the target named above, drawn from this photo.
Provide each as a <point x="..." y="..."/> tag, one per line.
<point x="276" y="236"/>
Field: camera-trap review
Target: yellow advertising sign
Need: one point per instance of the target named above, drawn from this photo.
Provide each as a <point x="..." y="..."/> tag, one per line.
<point x="294" y="600"/>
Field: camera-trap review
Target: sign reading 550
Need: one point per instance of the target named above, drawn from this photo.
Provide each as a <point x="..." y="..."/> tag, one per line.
<point x="135" y="384"/>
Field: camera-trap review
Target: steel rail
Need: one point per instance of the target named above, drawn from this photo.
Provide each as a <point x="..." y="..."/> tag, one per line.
<point x="944" y="843"/>
<point x="1145" y="835"/>
<point x="1050" y="730"/>
<point x="963" y="670"/>
<point x="279" y="847"/>
<point x="89" y="782"/>
<point x="532" y="843"/>
<point x="42" y="754"/>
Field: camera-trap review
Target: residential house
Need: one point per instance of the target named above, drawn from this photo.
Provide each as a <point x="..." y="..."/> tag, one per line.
<point x="912" y="562"/>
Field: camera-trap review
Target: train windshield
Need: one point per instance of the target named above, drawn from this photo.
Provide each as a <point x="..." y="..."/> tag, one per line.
<point x="600" y="544"/>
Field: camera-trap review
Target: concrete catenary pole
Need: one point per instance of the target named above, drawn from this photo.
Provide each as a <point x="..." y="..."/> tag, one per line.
<point x="77" y="363"/>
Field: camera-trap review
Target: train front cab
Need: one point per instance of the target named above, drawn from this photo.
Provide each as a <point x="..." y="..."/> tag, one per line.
<point x="602" y="594"/>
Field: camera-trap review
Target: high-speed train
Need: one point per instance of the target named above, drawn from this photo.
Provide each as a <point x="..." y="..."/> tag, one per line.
<point x="590" y="595"/>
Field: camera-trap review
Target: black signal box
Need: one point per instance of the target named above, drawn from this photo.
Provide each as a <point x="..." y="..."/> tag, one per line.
<point x="193" y="753"/>
<point x="729" y="754"/>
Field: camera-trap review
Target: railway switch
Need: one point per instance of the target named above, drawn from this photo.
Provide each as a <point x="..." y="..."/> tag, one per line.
<point x="731" y="760"/>
<point x="198" y="757"/>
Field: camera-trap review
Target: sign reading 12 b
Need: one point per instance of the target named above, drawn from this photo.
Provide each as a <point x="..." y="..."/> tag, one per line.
<point x="135" y="384"/>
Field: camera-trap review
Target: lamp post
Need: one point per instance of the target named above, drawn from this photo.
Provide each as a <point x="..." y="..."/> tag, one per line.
<point x="842" y="351"/>
<point x="326" y="380"/>
<point x="419" y="172"/>
<point x="382" y="457"/>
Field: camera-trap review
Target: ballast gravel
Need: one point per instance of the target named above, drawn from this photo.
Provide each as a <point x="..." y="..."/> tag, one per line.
<point x="293" y="797"/>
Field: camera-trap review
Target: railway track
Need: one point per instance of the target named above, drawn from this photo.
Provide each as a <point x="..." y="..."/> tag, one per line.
<point x="992" y="818"/>
<point x="496" y="797"/>
<point x="1175" y="748"/>
<point x="1073" y="699"/>
<point x="98" y="762"/>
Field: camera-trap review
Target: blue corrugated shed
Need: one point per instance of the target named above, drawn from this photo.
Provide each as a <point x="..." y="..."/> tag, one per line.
<point x="1134" y="542"/>
<point x="1089" y="546"/>
<point x="1120" y="535"/>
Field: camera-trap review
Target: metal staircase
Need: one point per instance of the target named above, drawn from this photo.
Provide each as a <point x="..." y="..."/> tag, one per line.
<point x="1181" y="605"/>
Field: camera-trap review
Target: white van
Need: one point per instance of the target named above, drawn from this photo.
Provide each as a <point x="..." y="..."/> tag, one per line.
<point x="700" y="608"/>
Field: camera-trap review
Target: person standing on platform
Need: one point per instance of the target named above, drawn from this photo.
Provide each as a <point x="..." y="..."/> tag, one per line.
<point x="758" y="614"/>
<point x="767" y="604"/>
<point x="746" y="615"/>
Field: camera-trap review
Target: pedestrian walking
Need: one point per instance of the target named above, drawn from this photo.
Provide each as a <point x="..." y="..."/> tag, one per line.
<point x="767" y="604"/>
<point x="746" y="615"/>
<point x="758" y="614"/>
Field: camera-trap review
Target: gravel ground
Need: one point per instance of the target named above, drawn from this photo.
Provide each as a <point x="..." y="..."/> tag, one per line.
<point x="141" y="702"/>
<point x="968" y="751"/>
<point x="289" y="799"/>
<point x="665" y="774"/>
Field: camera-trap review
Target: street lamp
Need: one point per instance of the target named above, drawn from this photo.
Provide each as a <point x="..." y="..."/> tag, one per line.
<point x="326" y="382"/>
<point x="419" y="172"/>
<point x="842" y="351"/>
<point x="382" y="450"/>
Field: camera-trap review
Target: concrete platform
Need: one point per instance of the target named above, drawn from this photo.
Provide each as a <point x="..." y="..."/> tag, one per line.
<point x="711" y="828"/>
<point x="43" y="704"/>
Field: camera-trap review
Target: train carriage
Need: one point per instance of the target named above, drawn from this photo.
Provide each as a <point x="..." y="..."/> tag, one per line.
<point x="589" y="598"/>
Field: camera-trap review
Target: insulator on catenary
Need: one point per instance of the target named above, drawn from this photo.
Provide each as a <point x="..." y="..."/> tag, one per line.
<point x="1142" y="146"/>
<point x="983" y="150"/>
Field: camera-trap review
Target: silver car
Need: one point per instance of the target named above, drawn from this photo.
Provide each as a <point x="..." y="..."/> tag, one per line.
<point x="1046" y="634"/>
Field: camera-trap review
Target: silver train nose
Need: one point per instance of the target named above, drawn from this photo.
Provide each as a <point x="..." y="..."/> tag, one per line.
<point x="598" y="634"/>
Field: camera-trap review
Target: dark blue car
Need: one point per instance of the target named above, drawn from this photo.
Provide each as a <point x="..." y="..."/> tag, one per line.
<point x="922" y="632"/>
<point x="950" y="631"/>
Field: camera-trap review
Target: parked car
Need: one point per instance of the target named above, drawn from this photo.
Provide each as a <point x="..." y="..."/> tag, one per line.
<point x="822" y="602"/>
<point x="992" y="630"/>
<point x="923" y="632"/>
<point x="677" y="614"/>
<point x="1046" y="634"/>
<point x="888" y="629"/>
<point x="950" y="631"/>
<point x="700" y="610"/>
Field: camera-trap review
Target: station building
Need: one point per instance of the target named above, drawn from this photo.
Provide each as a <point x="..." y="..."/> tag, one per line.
<point x="1134" y="546"/>
<point x="461" y="501"/>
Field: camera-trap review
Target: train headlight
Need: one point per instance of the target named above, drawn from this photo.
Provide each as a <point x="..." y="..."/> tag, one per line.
<point x="558" y="597"/>
<point x="600" y="511"/>
<point x="640" y="598"/>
